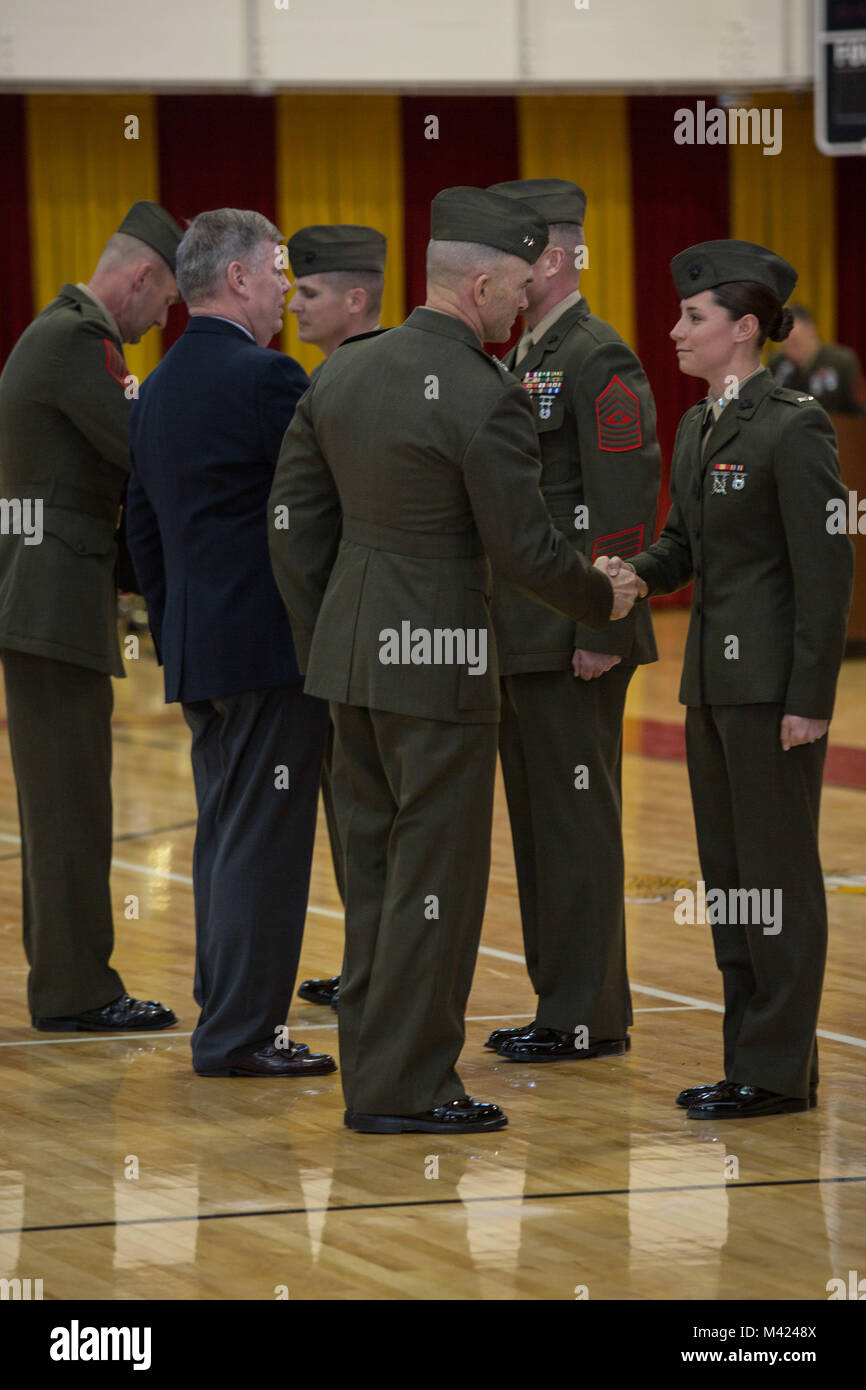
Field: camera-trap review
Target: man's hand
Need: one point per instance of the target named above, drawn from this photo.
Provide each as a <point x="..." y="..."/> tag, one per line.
<point x="626" y="585"/>
<point x="590" y="665"/>
<point x="796" y="730"/>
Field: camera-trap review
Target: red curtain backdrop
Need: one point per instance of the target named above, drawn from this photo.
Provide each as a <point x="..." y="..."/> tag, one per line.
<point x="214" y="152"/>
<point x="679" y="197"/>
<point x="477" y="145"/>
<point x="850" y="258"/>
<point x="16" y="290"/>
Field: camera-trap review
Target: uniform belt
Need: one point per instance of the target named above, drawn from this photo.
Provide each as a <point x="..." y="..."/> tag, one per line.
<point x="77" y="500"/>
<point x="422" y="545"/>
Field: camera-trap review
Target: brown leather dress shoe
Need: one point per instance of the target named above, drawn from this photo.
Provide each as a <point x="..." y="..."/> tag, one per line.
<point x="294" y="1060"/>
<point x="121" y="1015"/>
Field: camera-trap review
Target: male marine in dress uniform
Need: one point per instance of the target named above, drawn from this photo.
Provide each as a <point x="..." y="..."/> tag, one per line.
<point x="64" y="442"/>
<point x="830" y="373"/>
<point x="753" y="472"/>
<point x="339" y="272"/>
<point x="564" y="686"/>
<point x="408" y="459"/>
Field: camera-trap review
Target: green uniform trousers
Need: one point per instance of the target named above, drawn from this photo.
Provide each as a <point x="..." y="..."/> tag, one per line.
<point x="415" y="805"/>
<point x="568" y="843"/>
<point x="60" y="737"/>
<point x="756" y="816"/>
<point x="331" y="814"/>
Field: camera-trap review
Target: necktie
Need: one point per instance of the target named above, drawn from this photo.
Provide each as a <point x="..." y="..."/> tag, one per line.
<point x="522" y="348"/>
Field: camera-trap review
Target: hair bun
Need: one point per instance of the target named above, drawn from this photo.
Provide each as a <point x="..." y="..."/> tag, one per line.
<point x="782" y="326"/>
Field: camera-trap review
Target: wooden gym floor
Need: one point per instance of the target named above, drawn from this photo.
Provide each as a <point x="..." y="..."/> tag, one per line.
<point x="125" y="1176"/>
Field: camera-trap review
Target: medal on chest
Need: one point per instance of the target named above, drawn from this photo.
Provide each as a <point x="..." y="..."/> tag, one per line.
<point x="544" y="387"/>
<point x="723" y="473"/>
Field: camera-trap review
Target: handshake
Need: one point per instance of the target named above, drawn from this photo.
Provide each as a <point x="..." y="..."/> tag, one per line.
<point x="627" y="588"/>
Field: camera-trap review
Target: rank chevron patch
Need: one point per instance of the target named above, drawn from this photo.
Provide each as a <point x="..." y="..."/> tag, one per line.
<point x="114" y="362"/>
<point x="618" y="414"/>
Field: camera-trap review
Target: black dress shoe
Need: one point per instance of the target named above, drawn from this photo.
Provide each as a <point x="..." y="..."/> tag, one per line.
<point x="121" y="1015"/>
<point x="294" y="1060"/>
<point x="549" y="1045"/>
<point x="692" y="1094"/>
<point x="501" y="1035"/>
<point x="466" y="1116"/>
<point x="320" y="991"/>
<point x="731" y="1102"/>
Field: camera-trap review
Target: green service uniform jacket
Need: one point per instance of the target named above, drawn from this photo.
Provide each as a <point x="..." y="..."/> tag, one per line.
<point x="748" y="523"/>
<point x="601" y="465"/>
<point x="833" y="377"/>
<point x="423" y="450"/>
<point x="64" y="439"/>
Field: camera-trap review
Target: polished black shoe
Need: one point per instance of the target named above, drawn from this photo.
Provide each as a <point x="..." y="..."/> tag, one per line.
<point x="320" y="991"/>
<point x="121" y="1015"/>
<point x="549" y="1045"/>
<point x="731" y="1102"/>
<point x="294" y="1060"/>
<point x="692" y="1094"/>
<point x="466" y="1116"/>
<point x="502" y="1035"/>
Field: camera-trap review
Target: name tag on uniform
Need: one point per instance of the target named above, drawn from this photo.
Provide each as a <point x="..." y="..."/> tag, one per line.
<point x="722" y="472"/>
<point x="545" y="386"/>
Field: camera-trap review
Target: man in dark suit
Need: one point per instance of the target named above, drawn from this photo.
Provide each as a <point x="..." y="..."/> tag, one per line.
<point x="339" y="271"/>
<point x="205" y="434"/>
<point x="411" y="460"/>
<point x="64" y="458"/>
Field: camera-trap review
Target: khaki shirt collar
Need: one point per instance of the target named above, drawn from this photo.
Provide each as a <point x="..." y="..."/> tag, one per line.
<point x="109" y="318"/>
<point x="716" y="404"/>
<point x="533" y="336"/>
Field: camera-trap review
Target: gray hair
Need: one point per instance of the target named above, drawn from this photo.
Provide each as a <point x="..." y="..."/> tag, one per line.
<point x="121" y="250"/>
<point x="212" y="241"/>
<point x="450" y="262"/>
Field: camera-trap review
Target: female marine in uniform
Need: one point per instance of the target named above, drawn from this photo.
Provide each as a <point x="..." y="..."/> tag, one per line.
<point x="753" y="472"/>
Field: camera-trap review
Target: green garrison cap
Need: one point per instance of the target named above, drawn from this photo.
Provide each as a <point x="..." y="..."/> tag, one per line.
<point x="488" y="219"/>
<point x="557" y="200"/>
<point x="316" y="250"/>
<point x="714" y="263"/>
<point x="156" y="228"/>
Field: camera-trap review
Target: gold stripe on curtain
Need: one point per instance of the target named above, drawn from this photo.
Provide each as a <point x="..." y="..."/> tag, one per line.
<point x="339" y="159"/>
<point x="585" y="139"/>
<point x="787" y="202"/>
<point x="84" y="177"/>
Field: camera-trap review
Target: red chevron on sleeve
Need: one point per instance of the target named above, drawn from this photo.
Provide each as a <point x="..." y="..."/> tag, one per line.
<point x="624" y="543"/>
<point x="617" y="412"/>
<point x="114" y="361"/>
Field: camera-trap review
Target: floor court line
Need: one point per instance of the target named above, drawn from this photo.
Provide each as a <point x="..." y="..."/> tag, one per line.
<point x="434" y="1202"/>
<point x="165" y="1036"/>
<point x="493" y="951"/>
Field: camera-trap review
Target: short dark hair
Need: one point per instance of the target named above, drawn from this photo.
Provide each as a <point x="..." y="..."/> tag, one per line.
<point x="741" y="297"/>
<point x="802" y="314"/>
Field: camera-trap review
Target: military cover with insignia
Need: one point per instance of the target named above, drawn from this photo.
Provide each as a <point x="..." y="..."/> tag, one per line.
<point x="765" y="642"/>
<point x="564" y="686"/>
